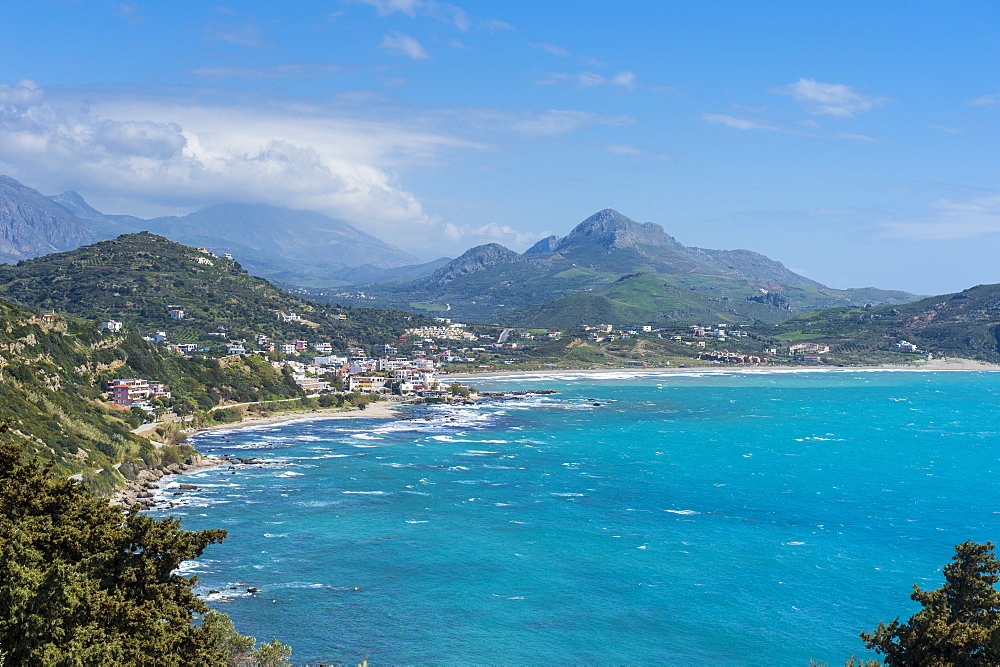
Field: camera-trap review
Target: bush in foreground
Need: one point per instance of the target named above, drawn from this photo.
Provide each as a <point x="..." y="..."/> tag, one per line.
<point x="959" y="623"/>
<point x="82" y="583"/>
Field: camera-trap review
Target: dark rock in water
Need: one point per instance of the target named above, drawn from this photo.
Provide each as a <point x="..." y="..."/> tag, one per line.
<point x="212" y="591"/>
<point x="253" y="590"/>
<point x="178" y="493"/>
<point x="596" y="403"/>
<point x="188" y="487"/>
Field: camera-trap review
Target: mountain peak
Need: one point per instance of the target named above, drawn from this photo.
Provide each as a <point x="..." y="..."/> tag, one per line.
<point x="543" y="247"/>
<point x="472" y="260"/>
<point x="612" y="230"/>
<point x="32" y="225"/>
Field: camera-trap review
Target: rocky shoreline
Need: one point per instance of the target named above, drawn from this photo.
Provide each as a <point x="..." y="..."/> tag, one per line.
<point x="140" y="491"/>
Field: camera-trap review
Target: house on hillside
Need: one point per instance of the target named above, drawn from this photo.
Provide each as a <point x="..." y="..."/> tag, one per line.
<point x="126" y="392"/>
<point x="111" y="325"/>
<point x="176" y="313"/>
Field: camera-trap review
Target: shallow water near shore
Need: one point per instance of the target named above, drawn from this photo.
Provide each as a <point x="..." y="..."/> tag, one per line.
<point x="734" y="518"/>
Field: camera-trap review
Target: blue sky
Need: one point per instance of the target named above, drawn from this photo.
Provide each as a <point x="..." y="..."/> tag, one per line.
<point x="856" y="142"/>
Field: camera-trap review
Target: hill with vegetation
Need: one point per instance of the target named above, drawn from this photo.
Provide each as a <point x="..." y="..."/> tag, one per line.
<point x="617" y="269"/>
<point x="139" y="278"/>
<point x="55" y="372"/>
<point x="963" y="324"/>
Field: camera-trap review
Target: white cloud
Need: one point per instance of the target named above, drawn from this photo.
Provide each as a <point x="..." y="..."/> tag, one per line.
<point x="740" y="123"/>
<point x="278" y="71"/>
<point x="623" y="79"/>
<point x="148" y="157"/>
<point x="242" y="32"/>
<point x="495" y="24"/>
<point x="403" y="43"/>
<point x="130" y="12"/>
<point x="463" y="237"/>
<point x="830" y="99"/>
<point x="563" y="121"/>
<point x="550" y="48"/>
<point x="629" y="149"/>
<point x="624" y="149"/>
<point x="985" y="100"/>
<point x="947" y="219"/>
<point x="744" y="124"/>
<point x="24" y="91"/>
<point x="436" y="10"/>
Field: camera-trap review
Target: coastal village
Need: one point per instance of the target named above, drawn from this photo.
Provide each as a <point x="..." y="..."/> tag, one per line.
<point x="318" y="368"/>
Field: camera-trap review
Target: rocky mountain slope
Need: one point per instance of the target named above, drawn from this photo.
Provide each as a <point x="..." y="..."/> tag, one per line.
<point x="272" y="242"/>
<point x="31" y="224"/>
<point x="625" y="272"/>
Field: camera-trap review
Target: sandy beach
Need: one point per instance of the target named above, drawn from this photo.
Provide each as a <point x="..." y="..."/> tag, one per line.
<point x="378" y="410"/>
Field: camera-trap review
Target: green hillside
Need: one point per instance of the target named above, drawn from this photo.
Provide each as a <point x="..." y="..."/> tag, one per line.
<point x="138" y="278"/>
<point x="54" y="372"/>
<point x="961" y="325"/>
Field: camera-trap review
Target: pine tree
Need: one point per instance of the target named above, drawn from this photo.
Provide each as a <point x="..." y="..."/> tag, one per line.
<point x="959" y="623"/>
<point x="82" y="583"/>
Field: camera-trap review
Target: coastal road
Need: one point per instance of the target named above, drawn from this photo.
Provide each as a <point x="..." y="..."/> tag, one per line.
<point x="503" y="336"/>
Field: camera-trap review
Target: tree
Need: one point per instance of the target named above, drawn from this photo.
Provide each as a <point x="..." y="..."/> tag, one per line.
<point x="959" y="623"/>
<point x="83" y="583"/>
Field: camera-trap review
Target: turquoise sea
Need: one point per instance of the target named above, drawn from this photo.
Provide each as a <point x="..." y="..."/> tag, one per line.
<point x="730" y="518"/>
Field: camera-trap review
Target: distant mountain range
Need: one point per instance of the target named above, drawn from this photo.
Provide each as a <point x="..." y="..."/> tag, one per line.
<point x="611" y="269"/>
<point x="298" y="247"/>
<point x="31" y="224"/>
<point x="608" y="268"/>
